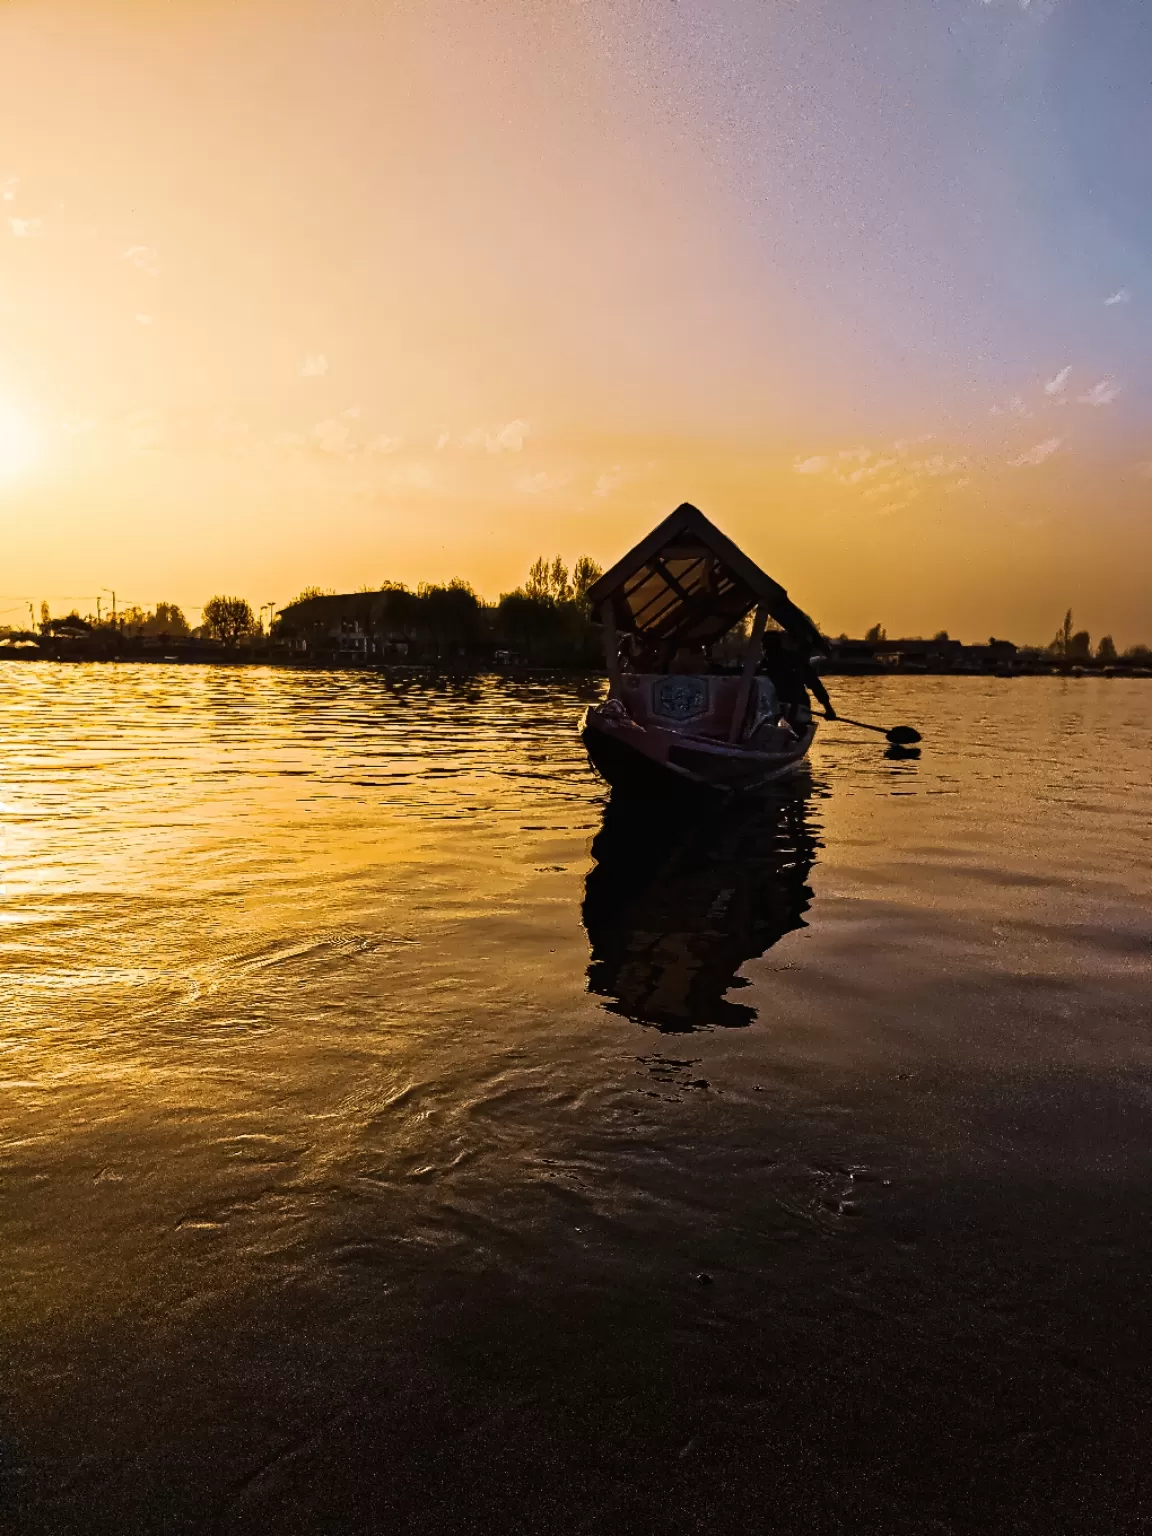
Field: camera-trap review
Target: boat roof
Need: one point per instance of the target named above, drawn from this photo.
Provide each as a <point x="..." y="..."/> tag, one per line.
<point x="689" y="584"/>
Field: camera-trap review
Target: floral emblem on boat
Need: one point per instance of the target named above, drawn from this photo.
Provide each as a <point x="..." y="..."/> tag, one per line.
<point x="680" y="698"/>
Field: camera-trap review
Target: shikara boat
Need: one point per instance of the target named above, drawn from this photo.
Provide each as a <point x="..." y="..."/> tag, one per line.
<point x="674" y="719"/>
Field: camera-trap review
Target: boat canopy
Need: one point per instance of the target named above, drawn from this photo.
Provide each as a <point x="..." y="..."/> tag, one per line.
<point x="688" y="584"/>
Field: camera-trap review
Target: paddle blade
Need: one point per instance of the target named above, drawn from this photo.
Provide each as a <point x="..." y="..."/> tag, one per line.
<point x="903" y="736"/>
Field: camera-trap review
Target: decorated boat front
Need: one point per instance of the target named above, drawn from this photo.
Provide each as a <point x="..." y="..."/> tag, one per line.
<point x="708" y="665"/>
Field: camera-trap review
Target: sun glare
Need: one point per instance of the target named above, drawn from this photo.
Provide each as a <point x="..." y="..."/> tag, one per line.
<point x="19" y="444"/>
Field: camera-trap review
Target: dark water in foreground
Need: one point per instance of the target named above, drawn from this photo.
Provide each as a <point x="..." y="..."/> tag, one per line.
<point x="373" y="1103"/>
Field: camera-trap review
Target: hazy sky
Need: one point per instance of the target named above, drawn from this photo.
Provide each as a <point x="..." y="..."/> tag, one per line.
<point x="334" y="293"/>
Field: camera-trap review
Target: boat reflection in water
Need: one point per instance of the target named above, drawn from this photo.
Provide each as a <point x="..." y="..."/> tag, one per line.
<point x="677" y="901"/>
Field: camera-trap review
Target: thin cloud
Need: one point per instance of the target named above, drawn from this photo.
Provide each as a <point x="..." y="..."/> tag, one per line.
<point x="443" y="439"/>
<point x="26" y="229"/>
<point x="506" y="439"/>
<point x="1121" y="296"/>
<point x="332" y="436"/>
<point x="609" y="481"/>
<point x="1016" y="407"/>
<point x="1100" y="394"/>
<point x="892" y="476"/>
<point x="898" y="506"/>
<point x="401" y="478"/>
<point x="939" y="465"/>
<point x="866" y="471"/>
<point x="1037" y="455"/>
<point x="142" y="319"/>
<point x="145" y="258"/>
<point x="384" y="444"/>
<point x="1058" y="384"/>
<point x="314" y="366"/>
<point x="533" y="485"/>
<point x="8" y="189"/>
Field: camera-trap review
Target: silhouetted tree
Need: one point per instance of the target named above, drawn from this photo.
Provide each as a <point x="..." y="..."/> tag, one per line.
<point x="526" y="618"/>
<point x="941" y="635"/>
<point x="877" y="633"/>
<point x="549" y="581"/>
<point x="168" y="619"/>
<point x="539" y="583"/>
<point x="1062" y="640"/>
<point x="229" y="618"/>
<point x="585" y="574"/>
<point x="132" y="619"/>
<point x="1106" y="651"/>
<point x="451" y="616"/>
<point x="1080" y="646"/>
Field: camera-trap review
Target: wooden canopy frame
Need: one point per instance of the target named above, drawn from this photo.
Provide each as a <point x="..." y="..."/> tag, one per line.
<point x="688" y="584"/>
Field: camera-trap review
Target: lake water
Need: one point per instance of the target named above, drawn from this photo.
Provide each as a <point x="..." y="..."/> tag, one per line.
<point x="394" y="1137"/>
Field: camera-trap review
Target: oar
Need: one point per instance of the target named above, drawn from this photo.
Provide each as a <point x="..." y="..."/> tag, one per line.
<point x="899" y="735"/>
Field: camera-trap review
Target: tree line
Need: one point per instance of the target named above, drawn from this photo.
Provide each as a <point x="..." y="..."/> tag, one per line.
<point x="545" y="619"/>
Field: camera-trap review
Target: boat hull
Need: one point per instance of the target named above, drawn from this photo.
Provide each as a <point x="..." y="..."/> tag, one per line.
<point x="646" y="761"/>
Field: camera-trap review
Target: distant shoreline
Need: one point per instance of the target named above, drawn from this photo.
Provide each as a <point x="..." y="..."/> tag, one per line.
<point x="1006" y="672"/>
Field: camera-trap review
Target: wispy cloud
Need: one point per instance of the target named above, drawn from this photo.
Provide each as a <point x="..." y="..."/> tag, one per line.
<point x="1016" y="407"/>
<point x="892" y="477"/>
<point x="333" y="436"/>
<point x="1037" y="455"/>
<point x="609" y="481"/>
<point x="533" y="485"/>
<point x="146" y="258"/>
<point x="866" y="471"/>
<point x="1101" y="394"/>
<point x="26" y="229"/>
<point x="444" y="437"/>
<point x="506" y="439"/>
<point x="1058" y="384"/>
<point x="1121" y="296"/>
<point x="314" y="366"/>
<point x="142" y="319"/>
<point x="384" y="444"/>
<point x="8" y="189"/>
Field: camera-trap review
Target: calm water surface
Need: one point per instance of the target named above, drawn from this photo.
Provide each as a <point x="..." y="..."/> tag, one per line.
<point x="395" y="1136"/>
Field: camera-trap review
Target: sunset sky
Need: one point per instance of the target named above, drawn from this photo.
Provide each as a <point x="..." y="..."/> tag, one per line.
<point x="340" y="292"/>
